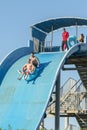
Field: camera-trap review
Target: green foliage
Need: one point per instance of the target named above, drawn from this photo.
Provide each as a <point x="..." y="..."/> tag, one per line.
<point x="83" y="129"/>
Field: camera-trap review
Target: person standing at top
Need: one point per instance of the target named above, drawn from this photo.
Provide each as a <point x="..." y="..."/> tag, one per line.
<point x="65" y="36"/>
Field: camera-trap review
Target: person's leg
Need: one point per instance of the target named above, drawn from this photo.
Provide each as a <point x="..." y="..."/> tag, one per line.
<point x="27" y="74"/>
<point x="62" y="45"/>
<point x="67" y="45"/>
<point x="22" y="74"/>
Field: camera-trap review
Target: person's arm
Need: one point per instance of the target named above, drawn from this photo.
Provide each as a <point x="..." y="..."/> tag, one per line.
<point x="24" y="67"/>
<point x="67" y="34"/>
<point x="38" y="61"/>
<point x="33" y="68"/>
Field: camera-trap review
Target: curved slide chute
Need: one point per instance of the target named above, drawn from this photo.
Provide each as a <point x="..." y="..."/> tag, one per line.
<point x="23" y="104"/>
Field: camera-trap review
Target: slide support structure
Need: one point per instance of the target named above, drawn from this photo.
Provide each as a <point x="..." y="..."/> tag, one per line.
<point x="57" y="106"/>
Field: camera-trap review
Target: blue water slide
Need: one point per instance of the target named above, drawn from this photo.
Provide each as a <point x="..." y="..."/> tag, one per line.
<point x="22" y="103"/>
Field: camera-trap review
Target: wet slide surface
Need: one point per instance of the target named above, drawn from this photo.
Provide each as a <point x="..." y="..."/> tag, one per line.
<point x="22" y="103"/>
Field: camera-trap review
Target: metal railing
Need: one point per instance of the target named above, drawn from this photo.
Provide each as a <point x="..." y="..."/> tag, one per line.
<point x="71" y="99"/>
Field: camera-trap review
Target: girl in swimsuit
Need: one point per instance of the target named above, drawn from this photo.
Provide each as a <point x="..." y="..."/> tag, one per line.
<point x="27" y="69"/>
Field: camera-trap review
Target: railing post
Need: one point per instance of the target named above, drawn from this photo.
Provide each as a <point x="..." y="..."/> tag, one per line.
<point x="66" y="123"/>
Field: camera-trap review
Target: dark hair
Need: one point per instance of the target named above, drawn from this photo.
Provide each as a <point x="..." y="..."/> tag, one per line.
<point x="82" y="35"/>
<point x="32" y="52"/>
<point x="64" y="29"/>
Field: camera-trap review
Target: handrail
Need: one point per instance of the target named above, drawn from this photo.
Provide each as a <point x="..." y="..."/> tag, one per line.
<point x="65" y="96"/>
<point x="75" y="97"/>
<point x="65" y="84"/>
<point x="43" y="46"/>
<point x="66" y="93"/>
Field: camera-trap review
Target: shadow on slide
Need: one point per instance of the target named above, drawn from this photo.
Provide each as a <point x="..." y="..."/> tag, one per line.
<point x="37" y="73"/>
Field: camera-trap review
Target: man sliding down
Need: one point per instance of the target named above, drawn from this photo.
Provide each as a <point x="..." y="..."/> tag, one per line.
<point x="34" y="60"/>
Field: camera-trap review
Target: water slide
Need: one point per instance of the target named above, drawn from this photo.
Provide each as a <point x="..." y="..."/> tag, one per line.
<point x="22" y="103"/>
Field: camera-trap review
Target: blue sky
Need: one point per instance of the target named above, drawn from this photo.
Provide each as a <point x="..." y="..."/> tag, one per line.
<point x="17" y="16"/>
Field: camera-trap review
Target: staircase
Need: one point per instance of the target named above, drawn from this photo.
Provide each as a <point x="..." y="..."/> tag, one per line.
<point x="71" y="103"/>
<point x="72" y="99"/>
